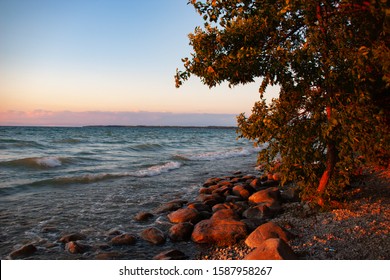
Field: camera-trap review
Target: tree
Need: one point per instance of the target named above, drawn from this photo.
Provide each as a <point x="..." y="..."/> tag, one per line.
<point x="331" y="60"/>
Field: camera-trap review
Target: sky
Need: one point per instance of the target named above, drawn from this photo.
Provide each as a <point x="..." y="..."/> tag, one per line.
<point x="107" y="62"/>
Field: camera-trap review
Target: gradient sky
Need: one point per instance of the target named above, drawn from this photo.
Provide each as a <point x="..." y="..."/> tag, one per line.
<point x="80" y="62"/>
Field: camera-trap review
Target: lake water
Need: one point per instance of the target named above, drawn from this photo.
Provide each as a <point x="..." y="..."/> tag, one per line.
<point x="93" y="180"/>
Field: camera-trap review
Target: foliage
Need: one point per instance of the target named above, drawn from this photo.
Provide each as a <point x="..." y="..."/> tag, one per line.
<point x="331" y="60"/>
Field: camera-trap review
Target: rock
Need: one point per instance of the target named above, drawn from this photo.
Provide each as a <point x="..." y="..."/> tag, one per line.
<point x="256" y="183"/>
<point x="143" y="216"/>
<point x="170" y="206"/>
<point x="241" y="191"/>
<point x="277" y="176"/>
<point x="222" y="191"/>
<point x="114" y="232"/>
<point x="225" y="184"/>
<point x="238" y="207"/>
<point x="225" y="214"/>
<point x="211" y="181"/>
<point x="23" y="252"/>
<point x="219" y="232"/>
<point x="181" y="232"/>
<point x="253" y="223"/>
<point x="184" y="215"/>
<point x="269" y="183"/>
<point x="272" y="249"/>
<point x="153" y="235"/>
<point x="210" y="199"/>
<point x="172" y="254"/>
<point x="233" y="198"/>
<point x="74" y="247"/>
<point x="267" y="231"/>
<point x="200" y="207"/>
<point x="260" y="211"/>
<point x="267" y="195"/>
<point x="109" y="256"/>
<point x="123" y="239"/>
<point x="72" y="237"/>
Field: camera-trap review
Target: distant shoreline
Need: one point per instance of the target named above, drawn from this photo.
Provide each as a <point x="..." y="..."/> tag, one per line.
<point x="125" y="126"/>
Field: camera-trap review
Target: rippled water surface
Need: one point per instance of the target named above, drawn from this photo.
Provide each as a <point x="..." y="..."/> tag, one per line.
<point x="92" y="180"/>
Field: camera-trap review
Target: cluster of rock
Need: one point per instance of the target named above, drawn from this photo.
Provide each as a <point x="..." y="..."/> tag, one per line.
<point x="226" y="211"/>
<point x="236" y="208"/>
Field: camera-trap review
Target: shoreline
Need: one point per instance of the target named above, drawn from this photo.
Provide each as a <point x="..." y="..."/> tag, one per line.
<point x="357" y="229"/>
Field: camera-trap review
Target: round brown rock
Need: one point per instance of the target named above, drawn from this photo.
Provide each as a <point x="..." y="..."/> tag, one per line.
<point x="153" y="235"/>
<point x="219" y="232"/>
<point x="267" y="195"/>
<point x="181" y="232"/>
<point x="123" y="239"/>
<point x="272" y="249"/>
<point x="184" y="215"/>
<point x="23" y="252"/>
<point x="267" y="231"/>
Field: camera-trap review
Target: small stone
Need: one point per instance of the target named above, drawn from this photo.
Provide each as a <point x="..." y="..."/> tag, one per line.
<point x="153" y="235"/>
<point x="143" y="216"/>
<point x="72" y="237"/>
<point x="23" y="252"/>
<point x="123" y="239"/>
<point x="172" y="254"/>
<point x="74" y="247"/>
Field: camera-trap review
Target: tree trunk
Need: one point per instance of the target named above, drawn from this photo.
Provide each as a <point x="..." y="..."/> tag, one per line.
<point x="331" y="160"/>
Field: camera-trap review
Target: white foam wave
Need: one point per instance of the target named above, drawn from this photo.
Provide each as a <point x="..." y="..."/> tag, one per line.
<point x="49" y="161"/>
<point x="217" y="155"/>
<point x="157" y="169"/>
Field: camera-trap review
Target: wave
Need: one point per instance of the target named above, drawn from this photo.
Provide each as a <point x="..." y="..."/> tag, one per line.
<point x="36" y="162"/>
<point x="67" y="141"/>
<point x="152" y="171"/>
<point x="7" y="143"/>
<point x="157" y="169"/>
<point x="146" y="147"/>
<point x="217" y="155"/>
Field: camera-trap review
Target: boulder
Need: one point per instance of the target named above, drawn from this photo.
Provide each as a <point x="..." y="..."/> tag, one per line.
<point x="211" y="181"/>
<point x="268" y="195"/>
<point x="219" y="232"/>
<point x="181" y="232"/>
<point x="272" y="249"/>
<point x="199" y="206"/>
<point x="256" y="183"/>
<point x="233" y="198"/>
<point x="143" y="216"/>
<point x="260" y="211"/>
<point x="184" y="215"/>
<point x="153" y="235"/>
<point x="172" y="254"/>
<point x="75" y="247"/>
<point x="267" y="231"/>
<point x="23" y="252"/>
<point x="241" y="191"/>
<point x="123" y="239"/>
<point x="253" y="223"/>
<point x="72" y="237"/>
<point x="225" y="214"/>
<point x="170" y="206"/>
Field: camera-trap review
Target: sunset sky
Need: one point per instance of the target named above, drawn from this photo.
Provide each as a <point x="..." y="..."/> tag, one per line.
<point x="80" y="62"/>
